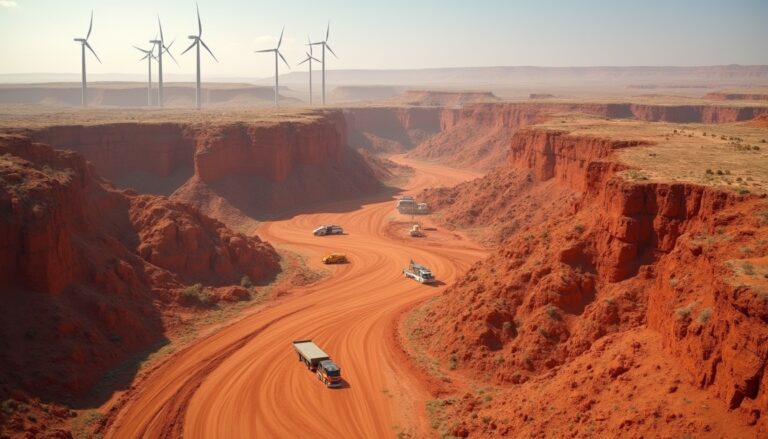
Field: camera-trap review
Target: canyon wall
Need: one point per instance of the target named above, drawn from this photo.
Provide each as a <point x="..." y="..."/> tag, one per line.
<point x="590" y="256"/>
<point x="476" y="136"/>
<point x="234" y="171"/>
<point x="91" y="275"/>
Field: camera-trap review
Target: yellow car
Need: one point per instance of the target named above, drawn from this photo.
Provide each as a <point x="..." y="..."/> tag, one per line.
<point x="335" y="258"/>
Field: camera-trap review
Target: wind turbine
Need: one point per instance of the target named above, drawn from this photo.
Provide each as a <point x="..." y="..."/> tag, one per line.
<point x="197" y="41"/>
<point x="277" y="53"/>
<point x="83" y="44"/>
<point x="162" y="48"/>
<point x="325" y="45"/>
<point x="148" y="55"/>
<point x="309" y="59"/>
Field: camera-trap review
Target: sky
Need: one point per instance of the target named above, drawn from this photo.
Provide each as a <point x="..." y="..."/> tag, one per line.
<point x="36" y="35"/>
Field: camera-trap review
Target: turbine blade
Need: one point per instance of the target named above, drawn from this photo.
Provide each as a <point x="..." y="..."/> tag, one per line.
<point x="209" y="50"/>
<point x="302" y="62"/>
<point x="280" y="41"/>
<point x="141" y="50"/>
<point x="331" y="50"/>
<point x="161" y="27"/>
<point x="264" y="51"/>
<point x="90" y="27"/>
<point x="92" y="51"/>
<point x="283" y="58"/>
<point x="315" y="59"/>
<point x="190" y="46"/>
<point x="199" y="23"/>
<point x="167" y="50"/>
<point x="145" y="57"/>
<point x="328" y="31"/>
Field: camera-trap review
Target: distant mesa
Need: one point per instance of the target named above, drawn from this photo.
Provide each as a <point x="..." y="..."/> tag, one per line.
<point x="360" y="93"/>
<point x="435" y="98"/>
<point x="540" y="96"/>
<point x="726" y="96"/>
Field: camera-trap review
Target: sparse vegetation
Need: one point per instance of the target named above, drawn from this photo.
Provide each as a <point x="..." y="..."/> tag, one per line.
<point x="197" y="294"/>
<point x="246" y="282"/>
<point x="748" y="268"/>
<point x="684" y="312"/>
<point x="579" y="228"/>
<point x="705" y="315"/>
<point x="453" y="362"/>
<point x="636" y="175"/>
<point x="553" y="313"/>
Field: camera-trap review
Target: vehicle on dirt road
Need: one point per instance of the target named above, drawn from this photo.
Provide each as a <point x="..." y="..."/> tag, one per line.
<point x="328" y="230"/>
<point x="419" y="273"/>
<point x="416" y="232"/>
<point x="318" y="362"/>
<point x="335" y="258"/>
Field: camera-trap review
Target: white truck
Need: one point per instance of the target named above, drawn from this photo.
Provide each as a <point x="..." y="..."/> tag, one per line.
<point x="318" y="362"/>
<point x="418" y="273"/>
<point x="408" y="205"/>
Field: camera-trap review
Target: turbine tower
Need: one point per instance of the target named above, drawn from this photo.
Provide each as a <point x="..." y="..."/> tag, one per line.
<point x="83" y="44"/>
<point x="148" y="55"/>
<point x="163" y="48"/>
<point x="277" y="53"/>
<point x="309" y="59"/>
<point x="325" y="45"/>
<point x="197" y="41"/>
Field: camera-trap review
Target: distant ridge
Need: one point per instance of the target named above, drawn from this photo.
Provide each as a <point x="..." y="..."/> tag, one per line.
<point x="500" y="75"/>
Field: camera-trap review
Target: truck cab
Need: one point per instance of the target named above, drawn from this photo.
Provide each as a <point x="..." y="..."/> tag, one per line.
<point x="329" y="373"/>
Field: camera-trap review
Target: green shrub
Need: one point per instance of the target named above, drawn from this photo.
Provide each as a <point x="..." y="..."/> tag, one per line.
<point x="245" y="282"/>
<point x="684" y="312"/>
<point x="552" y="312"/>
<point x="705" y="315"/>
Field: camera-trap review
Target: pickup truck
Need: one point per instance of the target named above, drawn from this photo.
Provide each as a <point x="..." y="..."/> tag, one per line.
<point x="418" y="273"/>
<point x="318" y="362"/>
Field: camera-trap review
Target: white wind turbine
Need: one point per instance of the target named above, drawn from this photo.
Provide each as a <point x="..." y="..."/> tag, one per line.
<point x="163" y="49"/>
<point x="148" y="55"/>
<point x="277" y="53"/>
<point x="83" y="44"/>
<point x="309" y="59"/>
<point x="197" y="41"/>
<point x="325" y="45"/>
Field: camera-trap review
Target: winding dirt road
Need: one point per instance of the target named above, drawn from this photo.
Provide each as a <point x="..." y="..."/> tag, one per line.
<point x="244" y="381"/>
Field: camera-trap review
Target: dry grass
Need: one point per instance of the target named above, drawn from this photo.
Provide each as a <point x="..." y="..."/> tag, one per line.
<point x="35" y="116"/>
<point x="734" y="158"/>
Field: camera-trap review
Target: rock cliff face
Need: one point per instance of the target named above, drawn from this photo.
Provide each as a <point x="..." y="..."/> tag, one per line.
<point x="90" y="274"/>
<point x="477" y="136"/>
<point x="591" y="257"/>
<point x="231" y="171"/>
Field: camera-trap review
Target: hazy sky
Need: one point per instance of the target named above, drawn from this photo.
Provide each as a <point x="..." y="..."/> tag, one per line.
<point x="36" y="35"/>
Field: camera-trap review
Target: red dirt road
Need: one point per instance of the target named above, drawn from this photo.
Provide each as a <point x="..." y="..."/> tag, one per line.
<point x="244" y="381"/>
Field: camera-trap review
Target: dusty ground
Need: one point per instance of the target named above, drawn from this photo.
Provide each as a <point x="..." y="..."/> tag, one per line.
<point x="733" y="156"/>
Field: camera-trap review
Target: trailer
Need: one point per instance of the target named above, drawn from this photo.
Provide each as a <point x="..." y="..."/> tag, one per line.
<point x="318" y="362"/>
<point x="418" y="273"/>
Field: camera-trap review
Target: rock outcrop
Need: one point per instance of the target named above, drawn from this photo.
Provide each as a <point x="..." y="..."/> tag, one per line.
<point x="590" y="255"/>
<point x="91" y="275"/>
<point x="232" y="171"/>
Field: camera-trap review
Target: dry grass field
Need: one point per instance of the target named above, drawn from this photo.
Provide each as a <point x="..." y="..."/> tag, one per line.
<point x="733" y="156"/>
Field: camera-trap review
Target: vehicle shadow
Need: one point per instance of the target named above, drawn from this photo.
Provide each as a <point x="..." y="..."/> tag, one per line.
<point x="437" y="283"/>
<point x="344" y="385"/>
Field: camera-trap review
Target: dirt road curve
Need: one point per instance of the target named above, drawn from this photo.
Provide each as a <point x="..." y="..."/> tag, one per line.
<point x="244" y="381"/>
